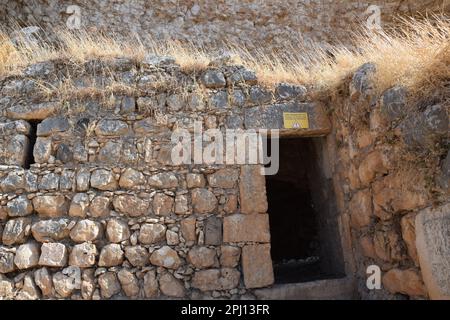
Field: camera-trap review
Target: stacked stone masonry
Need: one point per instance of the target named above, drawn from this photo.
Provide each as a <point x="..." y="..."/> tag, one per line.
<point x="259" y="24"/>
<point x="102" y="211"/>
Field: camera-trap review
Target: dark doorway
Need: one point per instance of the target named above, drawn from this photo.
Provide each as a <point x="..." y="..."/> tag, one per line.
<point x="29" y="160"/>
<point x="305" y="240"/>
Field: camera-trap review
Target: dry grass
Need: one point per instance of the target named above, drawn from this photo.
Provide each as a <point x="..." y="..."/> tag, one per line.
<point x="415" y="54"/>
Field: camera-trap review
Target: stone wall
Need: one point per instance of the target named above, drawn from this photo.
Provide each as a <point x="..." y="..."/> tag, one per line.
<point x="392" y="171"/>
<point x="91" y="204"/>
<point x="276" y="24"/>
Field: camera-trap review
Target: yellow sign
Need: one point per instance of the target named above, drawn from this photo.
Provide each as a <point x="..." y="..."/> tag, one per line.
<point x="295" y="120"/>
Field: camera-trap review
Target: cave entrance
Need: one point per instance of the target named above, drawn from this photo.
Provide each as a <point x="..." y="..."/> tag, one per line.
<point x="29" y="159"/>
<point x="305" y="240"/>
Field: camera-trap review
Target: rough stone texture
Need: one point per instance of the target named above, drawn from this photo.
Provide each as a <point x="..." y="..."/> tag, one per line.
<point x="111" y="255"/>
<point x="203" y="201"/>
<point x="50" y="206"/>
<point x="117" y="231"/>
<point x="257" y="266"/>
<point x="19" y="207"/>
<point x="165" y="257"/>
<point x="213" y="231"/>
<point x="216" y="279"/>
<point x="229" y="256"/>
<point x="103" y="180"/>
<point x="83" y="255"/>
<point x="27" y="255"/>
<point x="151" y="284"/>
<point x="172" y="287"/>
<point x="152" y="233"/>
<point x="131" y="205"/>
<point x="86" y="230"/>
<point x="50" y="230"/>
<point x="53" y="255"/>
<point x="361" y="209"/>
<point x="246" y="228"/>
<point x="162" y="204"/>
<point x="128" y="282"/>
<point x="109" y="284"/>
<point x="138" y="256"/>
<point x="252" y="188"/>
<point x="407" y="282"/>
<point x="16" y="231"/>
<point x="202" y="257"/>
<point x="433" y="245"/>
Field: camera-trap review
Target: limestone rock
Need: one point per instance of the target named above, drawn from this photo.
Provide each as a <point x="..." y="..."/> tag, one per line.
<point x="19" y="207"/>
<point x="131" y="205"/>
<point x="86" y="230"/>
<point x="131" y="178"/>
<point x="213" y="79"/>
<point x="195" y="180"/>
<point x="188" y="229"/>
<point x="138" y="256"/>
<point x="213" y="231"/>
<point x="50" y="206"/>
<point x="99" y="207"/>
<point x="27" y="255"/>
<point x="216" y="279"/>
<point x="111" y="255"/>
<point x="50" y="230"/>
<point x="252" y="188"/>
<point x="129" y="283"/>
<point x="117" y="231"/>
<point x="42" y="150"/>
<point x="202" y="257"/>
<point x="246" y="228"/>
<point x="29" y="290"/>
<point x="6" y="261"/>
<point x="165" y="257"/>
<point x="407" y="282"/>
<point x="162" y="204"/>
<point x="103" y="179"/>
<point x="203" y="201"/>
<point x="163" y="180"/>
<point x="83" y="255"/>
<point x="43" y="280"/>
<point x="52" y="125"/>
<point x="257" y="266"/>
<point x="229" y="256"/>
<point x="79" y="206"/>
<point x="16" y="231"/>
<point x="150" y="284"/>
<point x="360" y="207"/>
<point x="109" y="284"/>
<point x="53" y="255"/>
<point x="152" y="233"/>
<point x="171" y="287"/>
<point x="111" y="128"/>
<point x="223" y="178"/>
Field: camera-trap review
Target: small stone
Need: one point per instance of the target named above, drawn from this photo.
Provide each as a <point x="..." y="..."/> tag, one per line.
<point x="152" y="233"/>
<point x="82" y="179"/>
<point x="131" y="178"/>
<point x="213" y="231"/>
<point x="6" y="261"/>
<point x="6" y="288"/>
<point x="374" y="163"/>
<point x="86" y="230"/>
<point x="223" y="178"/>
<point x="65" y="154"/>
<point x="195" y="180"/>
<point x="162" y="204"/>
<point x="117" y="231"/>
<point x="52" y="125"/>
<point x="79" y="206"/>
<point x="202" y="257"/>
<point x="16" y="231"/>
<point x="53" y="255"/>
<point x="103" y="180"/>
<point x="165" y="257"/>
<point x="43" y="280"/>
<point x="360" y="207"/>
<point x="83" y="255"/>
<point x="181" y="204"/>
<point x="131" y="205"/>
<point x="229" y="256"/>
<point x="290" y="91"/>
<point x="138" y="256"/>
<point x="171" y="287"/>
<point x="12" y="182"/>
<point x="213" y="79"/>
<point x="163" y="180"/>
<point x="19" y="207"/>
<point x="87" y="284"/>
<point x="109" y="284"/>
<point x="172" y="238"/>
<point x="188" y="229"/>
<point x="49" y="206"/>
<point x="50" y="230"/>
<point x="42" y="150"/>
<point x="29" y="290"/>
<point x="100" y="207"/>
<point x="111" y="255"/>
<point x="150" y="284"/>
<point x="27" y="256"/>
<point x="49" y="181"/>
<point x="203" y="201"/>
<point x="216" y="279"/>
<point x="129" y="283"/>
<point x="259" y="95"/>
<point x="111" y="128"/>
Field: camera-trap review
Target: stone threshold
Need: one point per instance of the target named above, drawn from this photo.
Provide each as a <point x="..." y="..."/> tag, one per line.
<point x="330" y="289"/>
